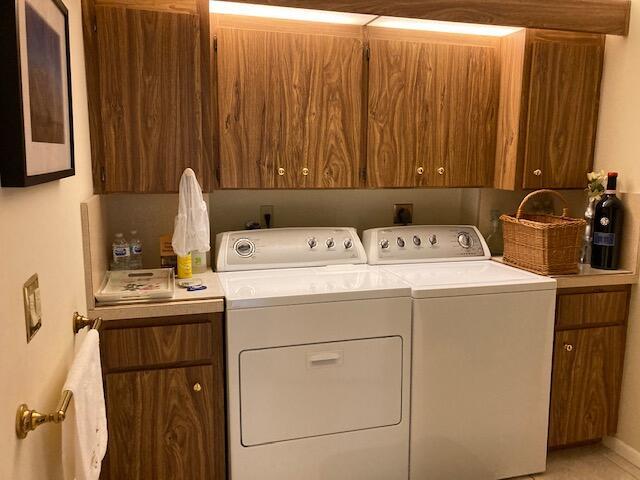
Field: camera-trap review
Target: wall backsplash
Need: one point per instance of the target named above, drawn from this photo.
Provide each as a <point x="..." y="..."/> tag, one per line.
<point x="152" y="215"/>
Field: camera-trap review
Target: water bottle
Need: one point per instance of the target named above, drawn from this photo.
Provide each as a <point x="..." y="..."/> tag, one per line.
<point x="121" y="253"/>
<point x="135" y="244"/>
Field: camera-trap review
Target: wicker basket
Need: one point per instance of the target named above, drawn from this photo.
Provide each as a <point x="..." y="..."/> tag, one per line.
<point x="544" y="244"/>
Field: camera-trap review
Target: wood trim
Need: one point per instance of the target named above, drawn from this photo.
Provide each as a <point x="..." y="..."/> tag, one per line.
<point x="425" y="36"/>
<point x="595" y="16"/>
<point x="92" y="60"/>
<point x="190" y="7"/>
<point x="207" y="86"/>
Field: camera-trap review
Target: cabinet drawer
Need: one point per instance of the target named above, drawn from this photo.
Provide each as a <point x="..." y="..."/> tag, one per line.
<point x="585" y="389"/>
<point x="591" y="308"/>
<point x="142" y="347"/>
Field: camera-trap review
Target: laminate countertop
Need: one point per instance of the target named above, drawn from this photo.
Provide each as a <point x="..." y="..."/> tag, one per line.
<point x="210" y="300"/>
<point x="592" y="277"/>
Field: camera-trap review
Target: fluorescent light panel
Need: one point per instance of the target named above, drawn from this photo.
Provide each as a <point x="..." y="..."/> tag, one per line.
<point x="444" y="27"/>
<point x="287" y="13"/>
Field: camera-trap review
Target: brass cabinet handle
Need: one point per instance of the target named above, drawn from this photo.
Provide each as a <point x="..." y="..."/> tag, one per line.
<point x="281" y="171"/>
<point x="197" y="387"/>
<point x="305" y="171"/>
<point x="537" y="172"/>
<point x="440" y="171"/>
<point x="568" y="347"/>
<point x="420" y="170"/>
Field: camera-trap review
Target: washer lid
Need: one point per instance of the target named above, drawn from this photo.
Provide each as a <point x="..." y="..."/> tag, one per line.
<point x="468" y="278"/>
<point x="294" y="286"/>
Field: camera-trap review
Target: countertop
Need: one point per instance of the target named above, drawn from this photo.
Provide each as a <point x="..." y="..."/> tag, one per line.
<point x="210" y="300"/>
<point x="592" y="277"/>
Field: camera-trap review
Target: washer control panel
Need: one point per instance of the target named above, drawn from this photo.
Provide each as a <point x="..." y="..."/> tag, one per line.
<point x="288" y="248"/>
<point x="424" y="243"/>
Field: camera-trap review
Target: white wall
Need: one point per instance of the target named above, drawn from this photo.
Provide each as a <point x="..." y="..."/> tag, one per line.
<point x="41" y="233"/>
<point x="618" y="148"/>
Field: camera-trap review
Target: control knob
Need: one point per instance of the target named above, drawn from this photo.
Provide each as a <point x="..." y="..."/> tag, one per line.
<point x="348" y="243"/>
<point x="416" y="241"/>
<point x="433" y="239"/>
<point x="312" y="242"/>
<point x="384" y="243"/>
<point x="244" y="247"/>
<point x="400" y="242"/>
<point x="330" y="243"/>
<point x="464" y="239"/>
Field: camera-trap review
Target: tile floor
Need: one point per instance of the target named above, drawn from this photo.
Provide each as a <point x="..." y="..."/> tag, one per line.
<point x="593" y="462"/>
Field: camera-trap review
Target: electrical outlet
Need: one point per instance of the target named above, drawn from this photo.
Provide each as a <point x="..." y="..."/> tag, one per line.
<point x="402" y="213"/>
<point x="32" y="306"/>
<point x="266" y="216"/>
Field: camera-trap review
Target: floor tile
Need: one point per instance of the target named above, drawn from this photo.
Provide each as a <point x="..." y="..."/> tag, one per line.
<point x="584" y="463"/>
<point x="622" y="463"/>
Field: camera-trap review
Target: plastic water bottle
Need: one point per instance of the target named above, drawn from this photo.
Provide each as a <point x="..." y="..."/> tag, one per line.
<point x="135" y="243"/>
<point x="121" y="253"/>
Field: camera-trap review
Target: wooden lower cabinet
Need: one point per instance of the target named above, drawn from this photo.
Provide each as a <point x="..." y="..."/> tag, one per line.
<point x="164" y="389"/>
<point x="587" y="369"/>
<point x="160" y="424"/>
<point x="587" y="364"/>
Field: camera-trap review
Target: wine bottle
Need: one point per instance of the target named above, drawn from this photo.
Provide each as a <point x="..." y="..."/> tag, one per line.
<point x="607" y="228"/>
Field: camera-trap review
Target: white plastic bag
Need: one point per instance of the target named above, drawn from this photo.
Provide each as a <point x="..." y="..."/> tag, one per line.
<point x="191" y="230"/>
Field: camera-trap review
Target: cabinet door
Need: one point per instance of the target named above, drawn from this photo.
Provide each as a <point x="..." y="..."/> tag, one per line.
<point x="432" y="109"/>
<point x="150" y="99"/>
<point x="161" y="425"/>
<point x="585" y="390"/>
<point x="564" y="92"/>
<point x="289" y="103"/>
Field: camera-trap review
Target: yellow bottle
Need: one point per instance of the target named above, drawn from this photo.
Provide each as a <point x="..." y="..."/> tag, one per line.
<point x="184" y="266"/>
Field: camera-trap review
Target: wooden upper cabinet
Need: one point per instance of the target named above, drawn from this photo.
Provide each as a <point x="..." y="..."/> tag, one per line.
<point x="290" y="103"/>
<point x="549" y="109"/>
<point x="148" y="87"/>
<point x="433" y="101"/>
<point x="564" y="92"/>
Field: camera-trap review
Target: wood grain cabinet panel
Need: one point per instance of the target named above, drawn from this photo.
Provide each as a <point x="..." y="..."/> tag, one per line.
<point x="161" y="424"/>
<point x="289" y="100"/>
<point x="150" y="99"/>
<point x="153" y="346"/>
<point x="592" y="308"/>
<point x="585" y="391"/>
<point x="562" y="110"/>
<point x="433" y="103"/>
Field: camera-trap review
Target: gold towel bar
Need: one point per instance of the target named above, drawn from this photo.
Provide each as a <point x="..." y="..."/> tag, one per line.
<point x="28" y="420"/>
<point x="80" y="321"/>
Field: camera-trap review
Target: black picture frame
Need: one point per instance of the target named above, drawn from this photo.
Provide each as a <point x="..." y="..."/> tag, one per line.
<point x="14" y="156"/>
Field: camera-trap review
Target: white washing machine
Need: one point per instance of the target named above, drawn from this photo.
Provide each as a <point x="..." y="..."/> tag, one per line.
<point x="482" y="351"/>
<point x="318" y="357"/>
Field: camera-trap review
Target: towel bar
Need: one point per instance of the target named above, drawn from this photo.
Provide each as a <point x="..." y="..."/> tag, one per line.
<point x="28" y="420"/>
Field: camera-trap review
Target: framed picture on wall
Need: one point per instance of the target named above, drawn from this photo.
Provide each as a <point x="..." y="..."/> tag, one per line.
<point x="36" y="134"/>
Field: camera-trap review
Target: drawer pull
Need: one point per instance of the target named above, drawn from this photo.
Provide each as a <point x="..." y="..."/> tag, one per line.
<point x="197" y="387"/>
<point x="324" y="359"/>
<point x="281" y="171"/>
<point x="537" y="172"/>
<point x="441" y="171"/>
<point x="420" y="170"/>
<point x="568" y="347"/>
<point x="305" y="171"/>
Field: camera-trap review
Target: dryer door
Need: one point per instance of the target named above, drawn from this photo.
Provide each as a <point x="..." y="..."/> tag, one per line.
<point x="309" y="390"/>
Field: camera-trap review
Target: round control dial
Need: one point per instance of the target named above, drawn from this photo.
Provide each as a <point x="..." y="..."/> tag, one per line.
<point x="417" y="241"/>
<point x="244" y="247"/>
<point x="330" y="243"/>
<point x="400" y="242"/>
<point x="433" y="239"/>
<point x="465" y="240"/>
<point x="348" y="243"/>
<point x="312" y="242"/>
<point x="384" y="243"/>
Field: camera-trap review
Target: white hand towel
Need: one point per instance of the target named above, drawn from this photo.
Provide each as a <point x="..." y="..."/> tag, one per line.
<point x="84" y="431"/>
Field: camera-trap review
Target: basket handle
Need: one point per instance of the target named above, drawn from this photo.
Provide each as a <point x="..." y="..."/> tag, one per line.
<point x="565" y="208"/>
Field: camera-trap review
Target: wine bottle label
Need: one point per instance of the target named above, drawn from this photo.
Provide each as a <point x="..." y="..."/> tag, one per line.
<point x="604" y="239"/>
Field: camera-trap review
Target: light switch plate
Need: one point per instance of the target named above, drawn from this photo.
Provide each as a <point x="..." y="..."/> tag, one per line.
<point x="32" y="306"/>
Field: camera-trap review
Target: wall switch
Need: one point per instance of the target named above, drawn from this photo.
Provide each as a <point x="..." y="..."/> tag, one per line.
<point x="266" y="216"/>
<point x="32" y="306"/>
<point x="402" y="213"/>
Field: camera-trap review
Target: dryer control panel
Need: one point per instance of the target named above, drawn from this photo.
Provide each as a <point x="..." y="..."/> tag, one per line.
<point x="424" y="243"/>
<point x="288" y="248"/>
